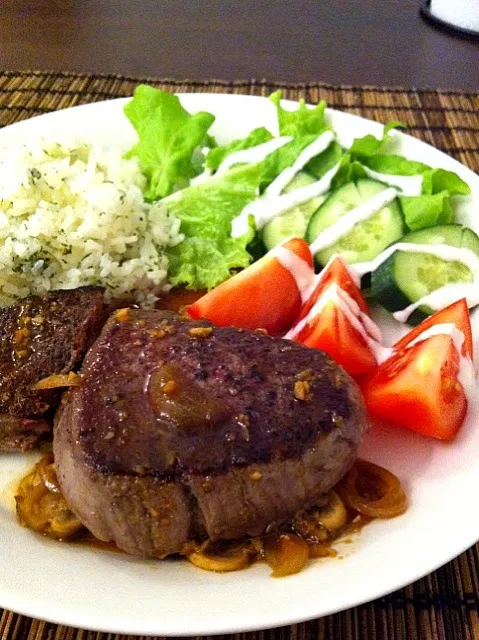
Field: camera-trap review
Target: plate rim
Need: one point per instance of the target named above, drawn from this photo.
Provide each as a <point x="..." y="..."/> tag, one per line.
<point x="267" y="621"/>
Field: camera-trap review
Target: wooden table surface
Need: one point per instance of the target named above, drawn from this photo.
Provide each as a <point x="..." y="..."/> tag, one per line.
<point x="382" y="42"/>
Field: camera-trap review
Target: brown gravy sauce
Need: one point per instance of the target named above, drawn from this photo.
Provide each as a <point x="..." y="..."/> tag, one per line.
<point x="42" y="508"/>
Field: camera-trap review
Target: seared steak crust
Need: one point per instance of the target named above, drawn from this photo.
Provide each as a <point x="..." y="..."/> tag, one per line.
<point x="40" y="337"/>
<point x="180" y="429"/>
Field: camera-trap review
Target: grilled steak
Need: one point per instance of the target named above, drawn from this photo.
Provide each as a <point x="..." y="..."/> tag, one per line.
<point x="21" y="434"/>
<point x="180" y="430"/>
<point x="40" y="337"/>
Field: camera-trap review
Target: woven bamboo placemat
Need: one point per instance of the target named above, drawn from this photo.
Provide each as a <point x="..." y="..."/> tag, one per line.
<point x="442" y="606"/>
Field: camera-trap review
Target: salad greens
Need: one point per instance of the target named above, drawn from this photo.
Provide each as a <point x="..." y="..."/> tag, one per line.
<point x="168" y="136"/>
<point x="216" y="156"/>
<point x="174" y="146"/>
<point x="302" y="121"/>
<point x="369" y="145"/>
<point x="425" y="211"/>
<point x="206" y="210"/>
<point x="323" y="163"/>
<point x="432" y="207"/>
<point x="436" y="180"/>
<point x="303" y="125"/>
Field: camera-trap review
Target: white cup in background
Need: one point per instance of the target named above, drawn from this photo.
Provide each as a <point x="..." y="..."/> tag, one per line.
<point x="458" y="13"/>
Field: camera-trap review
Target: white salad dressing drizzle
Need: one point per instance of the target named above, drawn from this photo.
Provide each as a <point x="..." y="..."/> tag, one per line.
<point x="441" y="329"/>
<point x="302" y="273"/>
<point x="349" y="268"/>
<point x="280" y="183"/>
<point x="244" y="156"/>
<point x="443" y="296"/>
<point x="443" y="251"/>
<point x="265" y="209"/>
<point x="348" y="221"/>
<point x="358" y="319"/>
<point x="408" y="185"/>
<point x="202" y="177"/>
<point x="319" y="276"/>
<point x="253" y="154"/>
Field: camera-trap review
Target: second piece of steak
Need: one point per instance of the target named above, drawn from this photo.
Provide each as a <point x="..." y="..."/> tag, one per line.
<point x="181" y="430"/>
<point x="40" y="337"/>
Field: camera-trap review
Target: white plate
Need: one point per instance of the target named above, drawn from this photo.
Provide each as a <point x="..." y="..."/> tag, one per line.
<point x="89" y="588"/>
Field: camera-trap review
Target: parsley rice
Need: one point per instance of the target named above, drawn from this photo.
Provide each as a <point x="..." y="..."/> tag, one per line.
<point x="73" y="214"/>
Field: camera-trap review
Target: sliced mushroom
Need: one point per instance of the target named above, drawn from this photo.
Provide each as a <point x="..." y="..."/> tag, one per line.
<point x="333" y="515"/>
<point x="317" y="524"/>
<point x="41" y="505"/>
<point x="222" y="557"/>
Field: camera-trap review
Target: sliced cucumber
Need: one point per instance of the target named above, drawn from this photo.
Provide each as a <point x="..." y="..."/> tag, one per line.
<point x="368" y="238"/>
<point x="294" y="222"/>
<point x="405" y="278"/>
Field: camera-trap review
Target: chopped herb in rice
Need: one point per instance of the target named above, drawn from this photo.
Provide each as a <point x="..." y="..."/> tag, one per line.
<point x="73" y="214"/>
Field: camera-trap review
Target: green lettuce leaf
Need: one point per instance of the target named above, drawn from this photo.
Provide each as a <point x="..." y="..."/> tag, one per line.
<point x="366" y="146"/>
<point x="302" y="121"/>
<point x="323" y="163"/>
<point x="392" y="124"/>
<point x="168" y="136"/>
<point x="349" y="171"/>
<point x="369" y="145"/>
<point x="434" y="180"/>
<point x="207" y="254"/>
<point x="303" y="125"/>
<point x="431" y="208"/>
<point x="216" y="156"/>
<point x="438" y="180"/>
<point x="278" y="160"/>
<point x="425" y="211"/>
<point x="363" y="151"/>
<point x="282" y="158"/>
<point x="395" y="165"/>
<point x="369" y="150"/>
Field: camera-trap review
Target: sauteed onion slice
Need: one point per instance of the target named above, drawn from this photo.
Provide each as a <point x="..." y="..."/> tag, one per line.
<point x="286" y="554"/>
<point x="58" y="380"/>
<point x="372" y="491"/>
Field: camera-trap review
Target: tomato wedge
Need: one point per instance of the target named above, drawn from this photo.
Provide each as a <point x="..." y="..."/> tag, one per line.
<point x="336" y="272"/>
<point x="334" y="320"/>
<point x="456" y="313"/>
<point x="265" y="295"/>
<point x="418" y="388"/>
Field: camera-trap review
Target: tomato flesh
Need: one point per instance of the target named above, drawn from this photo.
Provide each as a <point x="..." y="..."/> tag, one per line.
<point x="418" y="388"/>
<point x="265" y="295"/>
<point x="335" y="273"/>
<point x="332" y="332"/>
<point x="331" y="329"/>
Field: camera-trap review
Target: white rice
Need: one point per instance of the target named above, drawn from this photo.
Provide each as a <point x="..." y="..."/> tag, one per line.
<point x="73" y="214"/>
